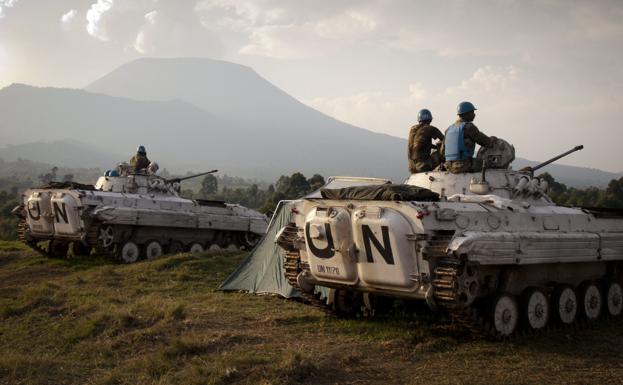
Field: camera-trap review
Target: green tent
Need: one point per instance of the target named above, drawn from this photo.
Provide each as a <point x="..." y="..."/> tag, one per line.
<point x="262" y="271"/>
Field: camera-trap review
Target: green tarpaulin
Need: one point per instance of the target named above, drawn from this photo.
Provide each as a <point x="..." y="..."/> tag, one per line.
<point x="262" y="271"/>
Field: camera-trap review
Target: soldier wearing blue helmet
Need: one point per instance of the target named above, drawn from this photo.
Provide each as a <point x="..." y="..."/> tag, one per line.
<point x="139" y="161"/>
<point x="421" y="137"/>
<point x="461" y="139"/>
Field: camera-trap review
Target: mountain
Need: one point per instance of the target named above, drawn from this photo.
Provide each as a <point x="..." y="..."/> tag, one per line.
<point x="62" y="153"/>
<point x="181" y="136"/>
<point x="221" y="88"/>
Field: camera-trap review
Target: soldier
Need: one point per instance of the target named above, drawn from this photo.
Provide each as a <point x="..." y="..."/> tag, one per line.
<point x="140" y="161"/>
<point x="461" y="139"/>
<point x="421" y="139"/>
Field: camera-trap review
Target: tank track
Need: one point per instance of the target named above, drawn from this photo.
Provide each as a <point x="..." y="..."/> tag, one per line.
<point x="22" y="236"/>
<point x="292" y="268"/>
<point x="445" y="285"/>
<point x="466" y="318"/>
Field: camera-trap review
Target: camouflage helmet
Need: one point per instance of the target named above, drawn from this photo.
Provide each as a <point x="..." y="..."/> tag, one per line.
<point x="464" y="107"/>
<point x="424" y="115"/>
<point x="141" y="150"/>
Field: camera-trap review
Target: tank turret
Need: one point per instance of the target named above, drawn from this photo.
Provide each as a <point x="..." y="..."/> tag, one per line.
<point x="144" y="183"/>
<point x="496" y="178"/>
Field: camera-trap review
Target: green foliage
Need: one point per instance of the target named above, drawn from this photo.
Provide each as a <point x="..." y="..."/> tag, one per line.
<point x="8" y="221"/>
<point x="209" y="185"/>
<point x="265" y="200"/>
<point x="611" y="197"/>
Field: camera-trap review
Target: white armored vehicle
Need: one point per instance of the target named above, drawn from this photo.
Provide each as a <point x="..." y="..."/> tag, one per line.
<point x="129" y="216"/>
<point x="489" y="248"/>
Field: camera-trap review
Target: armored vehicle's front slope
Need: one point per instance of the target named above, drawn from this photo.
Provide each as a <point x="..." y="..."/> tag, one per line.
<point x="492" y="248"/>
<point x="129" y="216"/>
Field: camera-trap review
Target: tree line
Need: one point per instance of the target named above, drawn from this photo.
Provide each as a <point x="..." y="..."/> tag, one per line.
<point x="611" y="196"/>
<point x="255" y="197"/>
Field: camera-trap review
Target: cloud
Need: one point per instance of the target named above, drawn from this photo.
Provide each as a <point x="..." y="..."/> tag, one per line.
<point x="311" y="38"/>
<point x="68" y="18"/>
<point x="495" y="88"/>
<point x="6" y="4"/>
<point x="376" y="110"/>
<point x="94" y="18"/>
<point x="141" y="43"/>
<point x="282" y="29"/>
<point x="487" y="80"/>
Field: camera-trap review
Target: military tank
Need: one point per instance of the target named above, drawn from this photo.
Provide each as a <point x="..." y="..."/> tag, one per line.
<point x="490" y="249"/>
<point x="130" y="215"/>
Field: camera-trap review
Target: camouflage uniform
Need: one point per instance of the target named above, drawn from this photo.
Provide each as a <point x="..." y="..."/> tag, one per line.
<point x="420" y="145"/>
<point x="471" y="136"/>
<point x="139" y="162"/>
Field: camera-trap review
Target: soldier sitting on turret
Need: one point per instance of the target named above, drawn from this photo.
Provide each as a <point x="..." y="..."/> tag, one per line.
<point x="421" y="137"/>
<point x="461" y="139"/>
<point x="140" y="161"/>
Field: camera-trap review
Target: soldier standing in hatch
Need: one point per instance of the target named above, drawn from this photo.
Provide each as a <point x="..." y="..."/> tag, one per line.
<point x="140" y="161"/>
<point x="421" y="139"/>
<point x="461" y="139"/>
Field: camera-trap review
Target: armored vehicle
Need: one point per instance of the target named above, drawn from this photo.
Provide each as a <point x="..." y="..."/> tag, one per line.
<point x="491" y="248"/>
<point x="129" y="215"/>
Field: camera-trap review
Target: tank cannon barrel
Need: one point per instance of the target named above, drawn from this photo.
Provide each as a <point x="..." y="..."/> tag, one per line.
<point x="541" y="165"/>
<point x="174" y="180"/>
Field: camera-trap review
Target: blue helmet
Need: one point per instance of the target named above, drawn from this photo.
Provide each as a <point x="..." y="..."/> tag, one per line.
<point x="464" y="107"/>
<point x="424" y="115"/>
<point x="114" y="173"/>
<point x="141" y="150"/>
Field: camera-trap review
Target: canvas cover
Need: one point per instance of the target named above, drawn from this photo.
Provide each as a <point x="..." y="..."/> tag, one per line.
<point x="384" y="192"/>
<point x="262" y="271"/>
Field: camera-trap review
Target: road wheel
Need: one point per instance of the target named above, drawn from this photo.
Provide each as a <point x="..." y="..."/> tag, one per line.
<point x="175" y="247"/>
<point x="564" y="304"/>
<point x="535" y="308"/>
<point x="591" y="301"/>
<point x="614" y="299"/>
<point x="248" y="240"/>
<point x="58" y="249"/>
<point x="153" y="250"/>
<point x="129" y="252"/>
<point x="196" y="248"/>
<point x="224" y="240"/>
<point x="106" y="236"/>
<point x="505" y="314"/>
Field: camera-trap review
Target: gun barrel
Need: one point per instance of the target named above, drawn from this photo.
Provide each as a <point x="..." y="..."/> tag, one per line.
<point x="541" y="165"/>
<point x="192" y="176"/>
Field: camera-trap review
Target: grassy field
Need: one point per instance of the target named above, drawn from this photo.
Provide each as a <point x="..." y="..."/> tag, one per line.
<point x="91" y="321"/>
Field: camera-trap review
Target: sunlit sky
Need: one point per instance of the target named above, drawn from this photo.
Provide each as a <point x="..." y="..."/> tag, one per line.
<point x="545" y="75"/>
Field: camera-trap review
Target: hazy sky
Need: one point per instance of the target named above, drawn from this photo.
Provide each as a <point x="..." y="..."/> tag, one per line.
<point x="545" y="75"/>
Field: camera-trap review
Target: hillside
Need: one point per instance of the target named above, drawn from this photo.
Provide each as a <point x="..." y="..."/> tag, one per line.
<point x="181" y="136"/>
<point x="63" y="153"/>
<point x="91" y="321"/>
